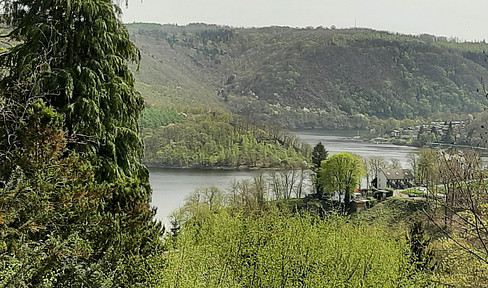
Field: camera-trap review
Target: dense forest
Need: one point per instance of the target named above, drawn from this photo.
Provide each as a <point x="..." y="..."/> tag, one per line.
<point x="314" y="77"/>
<point x="201" y="139"/>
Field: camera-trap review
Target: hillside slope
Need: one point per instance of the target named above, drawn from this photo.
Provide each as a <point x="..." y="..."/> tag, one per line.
<point x="309" y="77"/>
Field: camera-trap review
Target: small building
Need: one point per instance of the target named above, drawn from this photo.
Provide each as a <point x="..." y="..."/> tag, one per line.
<point x="395" y="178"/>
<point x="395" y="133"/>
<point x="382" y="194"/>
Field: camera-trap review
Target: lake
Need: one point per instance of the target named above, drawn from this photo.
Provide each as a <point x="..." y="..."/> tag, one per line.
<point x="341" y="141"/>
<point x="171" y="186"/>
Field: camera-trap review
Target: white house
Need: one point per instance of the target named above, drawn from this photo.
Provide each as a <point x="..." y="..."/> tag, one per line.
<point x="395" y="178"/>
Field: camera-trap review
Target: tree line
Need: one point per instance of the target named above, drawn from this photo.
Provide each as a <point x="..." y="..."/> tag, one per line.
<point x="219" y="139"/>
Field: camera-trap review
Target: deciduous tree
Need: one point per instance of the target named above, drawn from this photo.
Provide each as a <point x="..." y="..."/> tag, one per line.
<point x="342" y="172"/>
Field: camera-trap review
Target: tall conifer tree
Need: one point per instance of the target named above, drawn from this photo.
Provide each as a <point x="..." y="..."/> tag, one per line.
<point x="73" y="55"/>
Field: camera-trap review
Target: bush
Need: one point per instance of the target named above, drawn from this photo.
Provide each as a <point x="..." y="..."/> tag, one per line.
<point x="277" y="249"/>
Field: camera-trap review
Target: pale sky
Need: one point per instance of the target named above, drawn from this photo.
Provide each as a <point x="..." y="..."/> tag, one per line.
<point x="464" y="19"/>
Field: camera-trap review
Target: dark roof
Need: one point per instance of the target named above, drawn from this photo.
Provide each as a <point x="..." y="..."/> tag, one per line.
<point x="397" y="174"/>
<point x="386" y="192"/>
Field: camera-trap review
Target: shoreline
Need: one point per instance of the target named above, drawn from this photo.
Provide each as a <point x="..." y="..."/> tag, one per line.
<point x="221" y="168"/>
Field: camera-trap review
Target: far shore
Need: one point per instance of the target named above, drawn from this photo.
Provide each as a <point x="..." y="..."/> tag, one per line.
<point x="226" y="168"/>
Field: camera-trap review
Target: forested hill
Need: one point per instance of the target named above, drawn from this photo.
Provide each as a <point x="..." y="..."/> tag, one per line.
<point x="315" y="77"/>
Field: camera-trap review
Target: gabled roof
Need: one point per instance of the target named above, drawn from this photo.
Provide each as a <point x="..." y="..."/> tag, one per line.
<point x="397" y="174"/>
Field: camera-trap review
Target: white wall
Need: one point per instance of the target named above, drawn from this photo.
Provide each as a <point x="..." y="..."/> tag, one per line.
<point x="381" y="180"/>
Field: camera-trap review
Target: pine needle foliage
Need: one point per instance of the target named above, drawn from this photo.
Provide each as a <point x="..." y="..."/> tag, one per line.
<point x="74" y="54"/>
<point x="66" y="89"/>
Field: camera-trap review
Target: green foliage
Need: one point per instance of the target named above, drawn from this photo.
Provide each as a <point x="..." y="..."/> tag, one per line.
<point x="278" y="249"/>
<point x="346" y="76"/>
<point x="394" y="211"/>
<point x="448" y="137"/>
<point x="220" y="139"/>
<point x="341" y="172"/>
<point x="420" y="253"/>
<point x="319" y="153"/>
<point x="457" y="267"/>
<point x="426" y="170"/>
<point x="156" y="117"/>
<point x="74" y="55"/>
<point x="58" y="227"/>
<point x="49" y="237"/>
<point x="412" y="191"/>
<point x="29" y="135"/>
<point x="74" y="208"/>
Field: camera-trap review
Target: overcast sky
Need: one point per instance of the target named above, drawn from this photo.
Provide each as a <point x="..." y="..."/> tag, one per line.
<point x="464" y="19"/>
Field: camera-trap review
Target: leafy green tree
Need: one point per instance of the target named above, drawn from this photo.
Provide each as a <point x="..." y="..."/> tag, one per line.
<point x="319" y="153"/>
<point x="342" y="172"/>
<point x="427" y="163"/>
<point x="231" y="249"/>
<point x="424" y="136"/>
<point x="55" y="228"/>
<point x="420" y="253"/>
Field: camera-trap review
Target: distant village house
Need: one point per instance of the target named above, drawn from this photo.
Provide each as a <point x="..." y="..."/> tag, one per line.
<point x="395" y="178"/>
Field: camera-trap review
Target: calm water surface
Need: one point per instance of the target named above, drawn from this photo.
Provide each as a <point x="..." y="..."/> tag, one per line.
<point x="340" y="141"/>
<point x="172" y="186"/>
